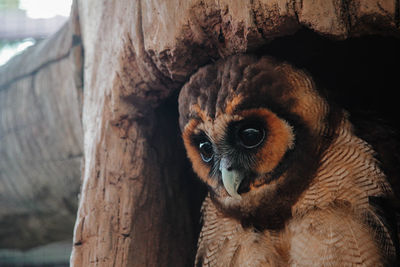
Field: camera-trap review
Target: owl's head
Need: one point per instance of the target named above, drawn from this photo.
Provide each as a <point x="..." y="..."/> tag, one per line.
<point x="254" y="130"/>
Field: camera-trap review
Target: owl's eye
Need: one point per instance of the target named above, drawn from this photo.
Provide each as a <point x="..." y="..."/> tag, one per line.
<point x="251" y="136"/>
<point x="206" y="151"/>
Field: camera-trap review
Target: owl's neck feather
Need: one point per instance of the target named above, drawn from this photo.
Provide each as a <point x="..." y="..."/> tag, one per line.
<point x="349" y="173"/>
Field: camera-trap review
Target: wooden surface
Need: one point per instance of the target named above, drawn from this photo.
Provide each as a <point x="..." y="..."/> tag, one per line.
<point x="133" y="210"/>
<point x="40" y="141"/>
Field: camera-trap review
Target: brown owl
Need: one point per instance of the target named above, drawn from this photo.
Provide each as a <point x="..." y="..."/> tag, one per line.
<point x="290" y="183"/>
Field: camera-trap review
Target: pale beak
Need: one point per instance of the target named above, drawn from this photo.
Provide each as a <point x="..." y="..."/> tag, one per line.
<point x="230" y="178"/>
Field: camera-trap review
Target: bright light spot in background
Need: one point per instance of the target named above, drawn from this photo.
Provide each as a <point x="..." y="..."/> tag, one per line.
<point x="8" y="51"/>
<point x="45" y="8"/>
<point x="35" y="9"/>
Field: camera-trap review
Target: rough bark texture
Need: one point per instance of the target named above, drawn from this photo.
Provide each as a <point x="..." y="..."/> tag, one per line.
<point x="133" y="210"/>
<point x="41" y="141"/>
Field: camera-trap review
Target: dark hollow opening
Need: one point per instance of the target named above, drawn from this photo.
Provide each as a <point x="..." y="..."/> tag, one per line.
<point x="360" y="74"/>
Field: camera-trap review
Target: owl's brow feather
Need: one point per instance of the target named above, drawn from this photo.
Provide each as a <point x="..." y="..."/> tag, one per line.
<point x="195" y="108"/>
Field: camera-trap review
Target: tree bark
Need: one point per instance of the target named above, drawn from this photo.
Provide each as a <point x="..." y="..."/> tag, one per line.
<point x="41" y="141"/>
<point x="133" y="210"/>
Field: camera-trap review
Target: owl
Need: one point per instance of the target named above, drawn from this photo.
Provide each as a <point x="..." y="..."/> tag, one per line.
<point x="289" y="181"/>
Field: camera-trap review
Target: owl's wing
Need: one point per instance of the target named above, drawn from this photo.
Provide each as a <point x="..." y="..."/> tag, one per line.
<point x="385" y="141"/>
<point x="384" y="219"/>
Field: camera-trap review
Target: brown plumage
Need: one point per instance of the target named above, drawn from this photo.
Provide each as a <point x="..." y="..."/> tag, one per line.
<point x="290" y="183"/>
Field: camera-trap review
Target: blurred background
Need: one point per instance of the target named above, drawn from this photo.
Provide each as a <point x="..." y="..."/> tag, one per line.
<point x="24" y="23"/>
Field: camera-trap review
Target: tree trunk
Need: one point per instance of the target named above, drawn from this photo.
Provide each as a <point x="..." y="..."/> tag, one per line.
<point x="134" y="210"/>
<point x="41" y="141"/>
<point x="139" y="202"/>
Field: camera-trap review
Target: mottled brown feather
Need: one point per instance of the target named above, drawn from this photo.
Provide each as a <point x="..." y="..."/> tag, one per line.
<point x="319" y="191"/>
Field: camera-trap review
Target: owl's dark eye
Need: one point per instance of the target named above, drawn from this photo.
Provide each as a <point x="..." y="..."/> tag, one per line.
<point x="251" y="136"/>
<point x="206" y="151"/>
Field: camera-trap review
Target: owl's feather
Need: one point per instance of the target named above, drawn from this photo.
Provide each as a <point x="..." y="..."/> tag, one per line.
<point x="313" y="193"/>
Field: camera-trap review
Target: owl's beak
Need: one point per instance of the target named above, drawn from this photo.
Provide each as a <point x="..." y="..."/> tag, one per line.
<point x="230" y="178"/>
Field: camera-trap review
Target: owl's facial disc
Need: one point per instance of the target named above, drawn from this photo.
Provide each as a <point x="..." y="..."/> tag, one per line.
<point x="247" y="136"/>
<point x="235" y="154"/>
